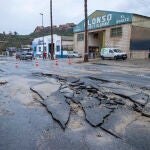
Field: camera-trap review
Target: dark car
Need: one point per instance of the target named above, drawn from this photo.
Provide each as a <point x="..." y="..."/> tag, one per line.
<point x="18" y="55"/>
<point x="26" y="56"/>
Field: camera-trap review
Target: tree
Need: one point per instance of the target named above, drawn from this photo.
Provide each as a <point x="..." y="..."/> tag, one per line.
<point x="86" y="34"/>
<point x="15" y="33"/>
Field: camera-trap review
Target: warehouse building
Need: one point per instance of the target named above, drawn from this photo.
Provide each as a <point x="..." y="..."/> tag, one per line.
<point x="126" y="31"/>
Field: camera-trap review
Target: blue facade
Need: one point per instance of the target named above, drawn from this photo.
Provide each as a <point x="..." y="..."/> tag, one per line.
<point x="140" y="44"/>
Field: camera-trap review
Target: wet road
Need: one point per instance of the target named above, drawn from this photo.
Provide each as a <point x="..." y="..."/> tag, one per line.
<point x="99" y="105"/>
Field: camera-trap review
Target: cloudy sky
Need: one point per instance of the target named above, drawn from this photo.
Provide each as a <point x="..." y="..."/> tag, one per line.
<point x="23" y="16"/>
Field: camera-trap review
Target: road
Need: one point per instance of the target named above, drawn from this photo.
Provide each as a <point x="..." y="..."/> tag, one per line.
<point x="89" y="106"/>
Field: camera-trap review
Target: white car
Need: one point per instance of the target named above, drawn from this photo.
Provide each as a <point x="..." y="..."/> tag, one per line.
<point x="113" y="53"/>
<point x="73" y="54"/>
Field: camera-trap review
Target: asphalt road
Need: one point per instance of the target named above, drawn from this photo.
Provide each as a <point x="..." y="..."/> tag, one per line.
<point x="97" y="105"/>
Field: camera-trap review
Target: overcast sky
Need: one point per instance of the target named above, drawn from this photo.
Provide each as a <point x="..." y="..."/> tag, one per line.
<point x="23" y="16"/>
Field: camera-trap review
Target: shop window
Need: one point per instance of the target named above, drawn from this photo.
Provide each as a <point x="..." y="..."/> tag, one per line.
<point x="115" y="32"/>
<point x="80" y="37"/>
<point x="57" y="48"/>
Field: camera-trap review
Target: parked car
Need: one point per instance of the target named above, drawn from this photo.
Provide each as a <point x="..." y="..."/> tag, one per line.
<point x="39" y="55"/>
<point x="73" y="54"/>
<point x="18" y="55"/>
<point x="26" y="55"/>
<point x="113" y="53"/>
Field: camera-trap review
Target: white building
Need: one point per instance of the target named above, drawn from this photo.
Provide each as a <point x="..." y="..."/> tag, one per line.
<point x="60" y="43"/>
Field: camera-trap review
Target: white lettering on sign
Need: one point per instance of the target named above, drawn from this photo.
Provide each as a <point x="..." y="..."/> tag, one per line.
<point x="122" y="19"/>
<point x="100" y="20"/>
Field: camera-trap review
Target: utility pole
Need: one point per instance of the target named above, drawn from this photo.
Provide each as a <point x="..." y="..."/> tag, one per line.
<point x="51" y="28"/>
<point x="43" y="30"/>
<point x="85" y="33"/>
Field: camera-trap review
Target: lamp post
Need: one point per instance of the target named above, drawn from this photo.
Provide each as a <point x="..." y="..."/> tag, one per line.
<point x="51" y="29"/>
<point x="42" y="28"/>
<point x="86" y="33"/>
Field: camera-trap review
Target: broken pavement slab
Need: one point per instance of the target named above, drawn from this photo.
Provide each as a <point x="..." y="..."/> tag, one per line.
<point x="118" y="121"/>
<point x="127" y="92"/>
<point x="68" y="93"/>
<point x="146" y="110"/>
<point x="94" y="113"/>
<point x="137" y="134"/>
<point x="45" y="89"/>
<point x="57" y="106"/>
<point x="79" y="96"/>
<point x="140" y="98"/>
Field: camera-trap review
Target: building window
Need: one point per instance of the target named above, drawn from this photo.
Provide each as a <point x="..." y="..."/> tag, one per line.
<point x="67" y="47"/>
<point x="115" y="32"/>
<point x="80" y="37"/>
<point x="57" y="48"/>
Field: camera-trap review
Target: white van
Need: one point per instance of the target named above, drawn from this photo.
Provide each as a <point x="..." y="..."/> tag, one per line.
<point x="113" y="53"/>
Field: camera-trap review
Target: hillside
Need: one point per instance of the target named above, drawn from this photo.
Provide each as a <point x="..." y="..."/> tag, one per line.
<point x="17" y="41"/>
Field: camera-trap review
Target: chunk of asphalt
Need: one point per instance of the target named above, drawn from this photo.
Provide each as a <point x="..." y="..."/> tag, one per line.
<point x="68" y="93"/>
<point x="120" y="89"/>
<point x="66" y="90"/>
<point x="119" y="101"/>
<point x="79" y="97"/>
<point x="45" y="89"/>
<point x="90" y="83"/>
<point x="58" y="107"/>
<point x="118" y="121"/>
<point x="146" y="110"/>
<point x="76" y="83"/>
<point x="127" y="92"/>
<point x="140" y="98"/>
<point x="89" y="102"/>
<point x="72" y="79"/>
<point x="95" y="114"/>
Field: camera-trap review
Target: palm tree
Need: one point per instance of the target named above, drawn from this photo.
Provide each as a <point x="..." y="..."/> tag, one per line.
<point x="86" y="34"/>
<point x="51" y="20"/>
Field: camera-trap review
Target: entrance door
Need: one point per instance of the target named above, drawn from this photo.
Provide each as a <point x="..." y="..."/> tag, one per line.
<point x="94" y="52"/>
<point x="49" y="47"/>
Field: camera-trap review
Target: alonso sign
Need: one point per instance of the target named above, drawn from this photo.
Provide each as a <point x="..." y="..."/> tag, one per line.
<point x="101" y="19"/>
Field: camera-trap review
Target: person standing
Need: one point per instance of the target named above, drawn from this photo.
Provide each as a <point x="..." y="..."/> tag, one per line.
<point x="44" y="55"/>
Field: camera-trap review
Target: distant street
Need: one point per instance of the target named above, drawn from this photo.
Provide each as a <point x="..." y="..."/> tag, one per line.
<point x="71" y="105"/>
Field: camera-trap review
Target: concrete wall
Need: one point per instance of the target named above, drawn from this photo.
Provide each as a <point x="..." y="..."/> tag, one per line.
<point x="140" y="33"/>
<point x="140" y="54"/>
<point x="122" y="42"/>
<point x="78" y="45"/>
<point x="141" y="21"/>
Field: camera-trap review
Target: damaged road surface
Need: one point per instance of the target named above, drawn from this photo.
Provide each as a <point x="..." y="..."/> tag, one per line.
<point x="56" y="110"/>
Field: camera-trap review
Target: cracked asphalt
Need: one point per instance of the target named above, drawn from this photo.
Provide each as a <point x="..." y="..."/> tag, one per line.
<point x="89" y="106"/>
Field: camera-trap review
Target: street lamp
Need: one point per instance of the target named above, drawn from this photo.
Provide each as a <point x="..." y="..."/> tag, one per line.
<point x="86" y="33"/>
<point x="42" y="28"/>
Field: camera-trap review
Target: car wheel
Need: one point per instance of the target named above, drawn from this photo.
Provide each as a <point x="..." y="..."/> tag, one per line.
<point x="115" y="58"/>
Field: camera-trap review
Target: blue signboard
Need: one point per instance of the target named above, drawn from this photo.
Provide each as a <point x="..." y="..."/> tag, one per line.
<point x="100" y="19"/>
